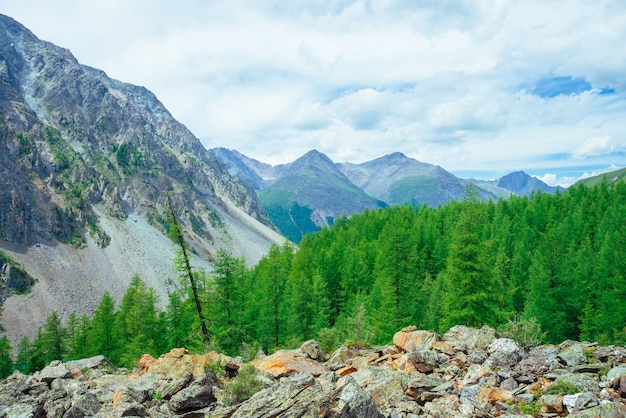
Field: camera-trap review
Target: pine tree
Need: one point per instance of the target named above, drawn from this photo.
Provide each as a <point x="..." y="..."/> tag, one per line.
<point x="102" y="336"/>
<point x="77" y="336"/>
<point x="137" y="321"/>
<point x="227" y="304"/>
<point x="6" y="360"/>
<point x="470" y="297"/>
<point x="53" y="338"/>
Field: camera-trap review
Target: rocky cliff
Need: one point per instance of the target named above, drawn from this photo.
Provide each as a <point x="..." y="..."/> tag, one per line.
<point x="86" y="163"/>
<point x="464" y="373"/>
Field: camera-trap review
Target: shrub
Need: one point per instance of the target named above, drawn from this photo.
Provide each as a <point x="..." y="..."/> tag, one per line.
<point x="562" y="388"/>
<point x="526" y="332"/>
<point x="329" y="339"/>
<point x="242" y="387"/>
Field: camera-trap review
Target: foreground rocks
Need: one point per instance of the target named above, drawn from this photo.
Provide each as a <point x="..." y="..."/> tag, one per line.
<point x="464" y="373"/>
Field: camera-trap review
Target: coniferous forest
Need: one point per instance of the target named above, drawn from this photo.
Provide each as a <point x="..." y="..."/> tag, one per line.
<point x="556" y="261"/>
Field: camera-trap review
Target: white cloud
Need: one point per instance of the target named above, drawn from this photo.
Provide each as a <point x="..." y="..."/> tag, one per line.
<point x="446" y="82"/>
<point x="594" y="147"/>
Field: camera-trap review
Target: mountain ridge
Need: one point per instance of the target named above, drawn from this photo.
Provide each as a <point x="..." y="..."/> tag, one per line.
<point x="393" y="179"/>
<point x="86" y="165"/>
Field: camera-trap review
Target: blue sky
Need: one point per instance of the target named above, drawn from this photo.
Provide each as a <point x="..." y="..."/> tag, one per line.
<point x="481" y="88"/>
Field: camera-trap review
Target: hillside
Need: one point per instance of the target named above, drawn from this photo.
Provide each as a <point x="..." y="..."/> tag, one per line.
<point x="310" y="193"/>
<point x="608" y="178"/>
<point x="86" y="163"/>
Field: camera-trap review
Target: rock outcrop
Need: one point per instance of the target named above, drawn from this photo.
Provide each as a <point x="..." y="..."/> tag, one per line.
<point x="464" y="373"/>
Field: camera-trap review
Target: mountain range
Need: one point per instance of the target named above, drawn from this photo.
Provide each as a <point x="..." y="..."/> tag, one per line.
<point x="310" y="192"/>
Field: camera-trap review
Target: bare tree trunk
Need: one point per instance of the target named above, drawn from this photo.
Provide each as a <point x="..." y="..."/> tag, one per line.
<point x="181" y="242"/>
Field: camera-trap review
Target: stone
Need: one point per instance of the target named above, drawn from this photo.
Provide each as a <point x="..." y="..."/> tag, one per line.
<point x="509" y="384"/>
<point x="606" y="410"/>
<point x="552" y="404"/>
<point x="55" y="370"/>
<point x="312" y="350"/>
<point x="145" y="362"/>
<point x="346" y="370"/>
<point x="178" y="362"/>
<point x="539" y="360"/>
<point x="615" y="374"/>
<point x="573" y="355"/>
<point x="468" y="393"/>
<point x="96" y="362"/>
<point x="426" y="360"/>
<point x="167" y="390"/>
<point x="504" y="353"/>
<point x="287" y="362"/>
<point x="409" y="339"/>
<point x="585" y="400"/>
<point x="192" y="398"/>
<point x="475" y="373"/>
<point x="470" y="339"/>
<point x="493" y="395"/>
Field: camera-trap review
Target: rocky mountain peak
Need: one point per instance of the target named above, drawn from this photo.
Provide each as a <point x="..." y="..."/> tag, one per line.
<point x="522" y="184"/>
<point x="84" y="159"/>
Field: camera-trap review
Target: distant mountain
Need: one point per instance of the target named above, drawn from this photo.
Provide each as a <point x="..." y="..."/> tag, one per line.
<point x="522" y="184"/>
<point x="309" y="193"/>
<point x="255" y="173"/>
<point x="397" y="180"/>
<point x="86" y="165"/>
<point x="610" y="178"/>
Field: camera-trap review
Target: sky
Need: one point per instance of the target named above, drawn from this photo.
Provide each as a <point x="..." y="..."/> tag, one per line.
<point x="479" y="87"/>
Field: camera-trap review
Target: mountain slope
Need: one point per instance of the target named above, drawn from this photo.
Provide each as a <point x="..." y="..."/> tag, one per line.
<point x="522" y="184"/>
<point x="398" y="180"/>
<point x="610" y="178"/>
<point x="309" y="193"/>
<point x="84" y="161"/>
<point x="256" y="174"/>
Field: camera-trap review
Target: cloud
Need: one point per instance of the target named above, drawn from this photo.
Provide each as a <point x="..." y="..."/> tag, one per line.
<point x="594" y="147"/>
<point x="485" y="86"/>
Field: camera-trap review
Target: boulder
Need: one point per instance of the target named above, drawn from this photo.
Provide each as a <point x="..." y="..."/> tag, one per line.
<point x="288" y="362"/>
<point x="312" y="350"/>
<point x="410" y="339"/>
<point x="606" y="410"/>
<point x="425" y="360"/>
<point x="492" y="395"/>
<point x="470" y="339"/>
<point x="615" y="374"/>
<point x="573" y="355"/>
<point x="504" y="353"/>
<point x="96" y="362"/>
<point x="302" y="395"/>
<point x="192" y="398"/>
<point x="145" y="362"/>
<point x="178" y="362"/>
<point x="55" y="370"/>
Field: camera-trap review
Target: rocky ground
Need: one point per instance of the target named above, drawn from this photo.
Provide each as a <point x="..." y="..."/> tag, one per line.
<point x="464" y="373"/>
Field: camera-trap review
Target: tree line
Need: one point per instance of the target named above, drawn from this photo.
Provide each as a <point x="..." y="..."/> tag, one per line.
<point x="558" y="261"/>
